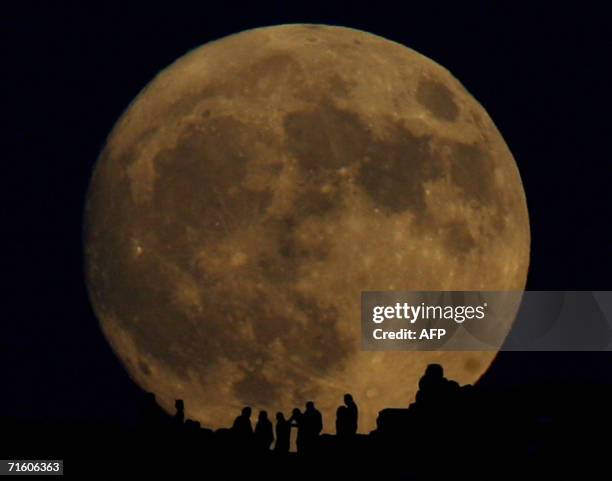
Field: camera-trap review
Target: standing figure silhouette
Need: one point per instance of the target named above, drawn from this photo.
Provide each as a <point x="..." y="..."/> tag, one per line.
<point x="297" y="421"/>
<point x="179" y="416"/>
<point x="352" y="413"/>
<point x="312" y="426"/>
<point x="341" y="422"/>
<point x="242" y="429"/>
<point x="283" y="433"/>
<point x="263" y="432"/>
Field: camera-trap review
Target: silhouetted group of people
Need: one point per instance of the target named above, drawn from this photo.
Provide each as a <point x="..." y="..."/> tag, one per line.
<point x="431" y="438"/>
<point x="308" y="423"/>
<point x="435" y="404"/>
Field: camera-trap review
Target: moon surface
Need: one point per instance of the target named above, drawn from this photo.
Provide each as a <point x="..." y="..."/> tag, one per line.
<point x="257" y="185"/>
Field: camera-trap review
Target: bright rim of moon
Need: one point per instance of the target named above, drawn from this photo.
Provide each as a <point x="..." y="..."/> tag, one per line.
<point x="257" y="185"/>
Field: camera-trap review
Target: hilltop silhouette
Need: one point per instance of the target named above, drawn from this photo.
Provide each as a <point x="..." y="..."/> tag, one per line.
<point x="449" y="430"/>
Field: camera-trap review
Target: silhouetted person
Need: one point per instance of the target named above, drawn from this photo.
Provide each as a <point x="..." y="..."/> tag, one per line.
<point x="431" y="386"/>
<point x="312" y="422"/>
<point x="432" y="372"/>
<point x="283" y="433"/>
<point x="436" y="393"/>
<point x="179" y="417"/>
<point x="297" y="421"/>
<point x="242" y="424"/>
<point x="341" y="422"/>
<point x="352" y="414"/>
<point x="242" y="428"/>
<point x="263" y="432"/>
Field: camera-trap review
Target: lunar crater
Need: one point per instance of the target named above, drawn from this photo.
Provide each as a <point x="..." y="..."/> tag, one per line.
<point x="438" y="99"/>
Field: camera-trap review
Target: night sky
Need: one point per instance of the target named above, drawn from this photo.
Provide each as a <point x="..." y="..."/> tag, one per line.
<point x="542" y="73"/>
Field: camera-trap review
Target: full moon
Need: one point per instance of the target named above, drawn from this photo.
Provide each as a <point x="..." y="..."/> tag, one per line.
<point x="259" y="184"/>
